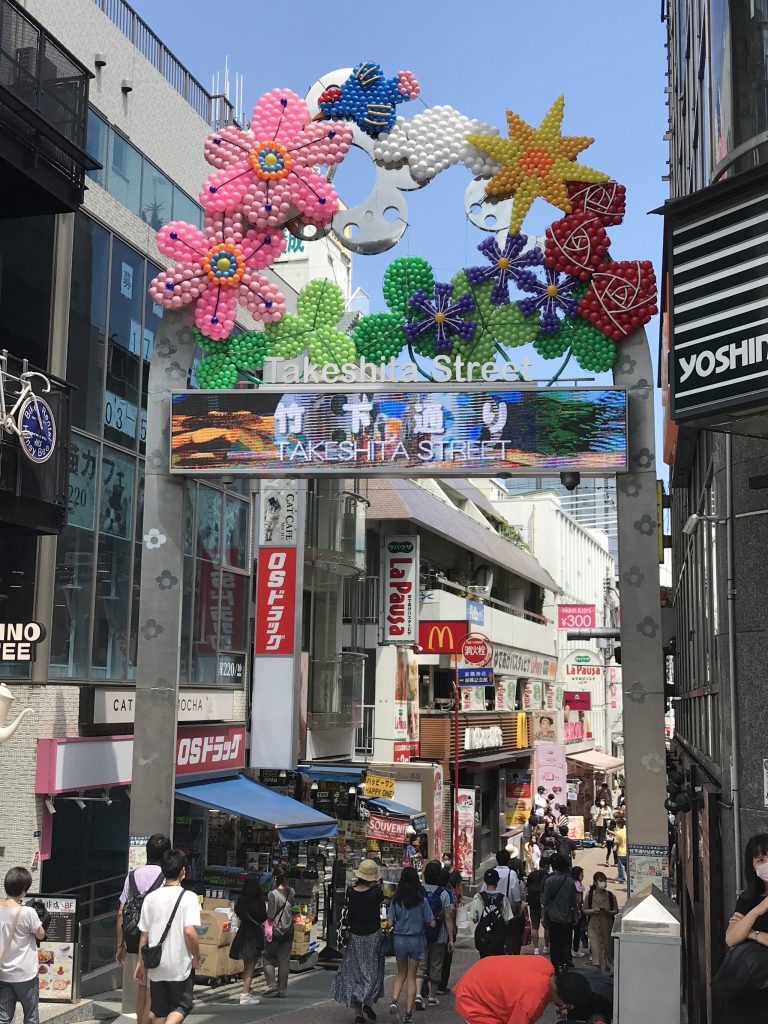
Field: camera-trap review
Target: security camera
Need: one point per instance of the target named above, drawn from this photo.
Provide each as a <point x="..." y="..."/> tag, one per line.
<point x="691" y="524"/>
<point x="570" y="481"/>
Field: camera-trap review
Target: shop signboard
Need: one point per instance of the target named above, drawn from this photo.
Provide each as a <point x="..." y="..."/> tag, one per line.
<point x="400" y="589"/>
<point x="388" y="830"/>
<point x="582" y="666"/>
<point x="379" y="786"/>
<point x="406" y="703"/>
<point x="475" y="613"/>
<point x="419" y="823"/>
<point x="115" y="705"/>
<point x="547" y="727"/>
<point x="578" y="700"/>
<point x="405" y="750"/>
<point x="275" y="601"/>
<point x="506" y="694"/>
<point x="442" y="637"/>
<point x="210" y="748"/>
<point x="57" y="971"/>
<point x="278" y="508"/>
<point x="18" y="640"/>
<point x="437" y="812"/>
<point x="533" y="695"/>
<point x="472" y="698"/>
<point x="475" y="676"/>
<point x="417" y="430"/>
<point x="518" y="797"/>
<point x="554" y="698"/>
<point x="576" y="616"/>
<point x="464" y="854"/>
<point x="523" y="664"/>
<point x="550" y="768"/>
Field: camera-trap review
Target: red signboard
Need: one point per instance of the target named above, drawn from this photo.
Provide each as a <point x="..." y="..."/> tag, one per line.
<point x="477" y="649"/>
<point x="210" y="748"/>
<point x="405" y="751"/>
<point x="388" y="830"/>
<point x="576" y="616"/>
<point x="441" y="637"/>
<point x="275" y="601"/>
<point x="578" y="700"/>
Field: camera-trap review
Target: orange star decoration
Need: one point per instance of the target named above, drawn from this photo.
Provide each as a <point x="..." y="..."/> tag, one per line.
<point x="535" y="162"/>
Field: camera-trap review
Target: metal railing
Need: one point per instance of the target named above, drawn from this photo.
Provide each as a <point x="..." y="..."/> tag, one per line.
<point x="216" y="110"/>
<point x="97" y="904"/>
<point x="361" y="599"/>
<point x="364" y="731"/>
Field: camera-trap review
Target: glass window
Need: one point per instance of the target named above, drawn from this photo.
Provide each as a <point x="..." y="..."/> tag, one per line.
<point x="208" y="524"/>
<point x="206" y="619"/>
<point x="235" y="532"/>
<point x="233" y="615"/>
<point x="153" y="314"/>
<point x="96" y="144"/>
<point x="156" y="197"/>
<point x="17" y="589"/>
<point x="124" y="354"/>
<point x="116" y="506"/>
<point x="185" y="208"/>
<point x="87" y="322"/>
<point x="133" y="636"/>
<point x="26" y="268"/>
<point x="83" y="460"/>
<point x="124" y="172"/>
<point x="70" y="630"/>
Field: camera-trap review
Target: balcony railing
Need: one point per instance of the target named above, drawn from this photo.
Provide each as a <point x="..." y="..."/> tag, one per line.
<point x="216" y="110"/>
<point x="364" y="732"/>
<point x="336" y="531"/>
<point x="361" y="599"/>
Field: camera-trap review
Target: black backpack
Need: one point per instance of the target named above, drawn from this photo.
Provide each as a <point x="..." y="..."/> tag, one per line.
<point x="132" y="911"/>
<point x="491" y="929"/>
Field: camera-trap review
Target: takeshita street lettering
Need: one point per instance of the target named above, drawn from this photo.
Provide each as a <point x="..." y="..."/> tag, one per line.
<point x="564" y="294"/>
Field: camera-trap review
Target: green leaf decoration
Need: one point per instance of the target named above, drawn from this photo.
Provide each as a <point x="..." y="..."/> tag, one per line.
<point x="249" y="350"/>
<point x="320" y="303"/>
<point x="216" y="371"/>
<point x="402" y="278"/>
<point x="379" y="337"/>
<point x="592" y="350"/>
<point x="288" y="337"/>
<point x="320" y="306"/>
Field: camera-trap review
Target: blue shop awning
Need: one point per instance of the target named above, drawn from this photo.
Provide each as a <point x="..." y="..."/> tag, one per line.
<point x="294" y="821"/>
<point x="385" y="806"/>
<point x="332" y="773"/>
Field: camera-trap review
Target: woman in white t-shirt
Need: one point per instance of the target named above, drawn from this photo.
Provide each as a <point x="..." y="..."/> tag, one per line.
<point x="19" y="927"/>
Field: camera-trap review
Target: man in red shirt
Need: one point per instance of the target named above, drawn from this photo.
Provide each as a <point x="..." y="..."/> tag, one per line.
<point x="516" y="990"/>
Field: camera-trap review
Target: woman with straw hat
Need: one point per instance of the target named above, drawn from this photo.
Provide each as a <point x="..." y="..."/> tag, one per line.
<point x="359" y="982"/>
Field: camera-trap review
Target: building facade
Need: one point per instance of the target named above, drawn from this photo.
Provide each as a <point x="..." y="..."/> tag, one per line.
<point x="712" y="368"/>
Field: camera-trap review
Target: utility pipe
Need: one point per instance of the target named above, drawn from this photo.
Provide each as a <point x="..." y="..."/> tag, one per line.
<point x="731" y="607"/>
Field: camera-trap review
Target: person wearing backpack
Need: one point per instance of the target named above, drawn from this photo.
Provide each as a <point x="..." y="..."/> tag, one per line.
<point x="535" y="883"/>
<point x="278" y="932"/>
<point x="169" y="947"/>
<point x="491" y="913"/>
<point x="440" y="939"/>
<point x="600" y="907"/>
<point x="559" y="903"/>
<point x="565" y="846"/>
<point x="136" y="886"/>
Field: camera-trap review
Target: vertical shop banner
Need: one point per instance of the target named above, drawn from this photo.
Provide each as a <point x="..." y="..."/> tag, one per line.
<point x="406" y="725"/>
<point x="472" y="698"/>
<point x="278" y="511"/>
<point x="549" y="768"/>
<point x="547" y="727"/>
<point x="533" y="695"/>
<point x="554" y="698"/>
<point x="464" y="855"/>
<point x="400" y="590"/>
<point x="57" y="967"/>
<point x="518" y="797"/>
<point x="437" y="812"/>
<point x="275" y="601"/>
<point x="506" y="693"/>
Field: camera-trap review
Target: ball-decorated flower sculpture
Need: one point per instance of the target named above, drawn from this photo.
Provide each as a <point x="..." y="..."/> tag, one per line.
<point x="439" y="319"/>
<point x="320" y="305"/>
<point x="369" y="98"/>
<point x="379" y="337"/>
<point x="226" y="361"/>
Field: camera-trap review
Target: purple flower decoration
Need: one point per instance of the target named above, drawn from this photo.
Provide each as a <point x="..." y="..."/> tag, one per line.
<point x="440" y="317"/>
<point x="552" y="296"/>
<point x="505" y="265"/>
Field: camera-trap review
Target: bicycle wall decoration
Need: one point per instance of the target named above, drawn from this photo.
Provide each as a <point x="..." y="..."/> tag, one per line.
<point x="25" y="414"/>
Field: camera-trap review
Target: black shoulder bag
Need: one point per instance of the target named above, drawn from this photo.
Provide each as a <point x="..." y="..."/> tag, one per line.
<point x="152" y="955"/>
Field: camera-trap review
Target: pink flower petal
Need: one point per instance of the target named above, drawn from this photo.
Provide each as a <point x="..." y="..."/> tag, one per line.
<point x="263" y="299"/>
<point x="262" y="248"/>
<point x="408" y="84"/>
<point x="279" y="116"/>
<point x="182" y="242"/>
<point x="215" y="312"/>
<point x="268" y="206"/>
<point x="322" y="142"/>
<point x="179" y="286"/>
<point x="225" y="189"/>
<point x="228" y="147"/>
<point x="229" y="227"/>
<point x="313" y="196"/>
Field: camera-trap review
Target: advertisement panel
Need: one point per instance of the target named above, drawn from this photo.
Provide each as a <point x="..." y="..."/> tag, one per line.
<point x="278" y="509"/>
<point x="550" y="768"/>
<point x="578" y="700"/>
<point x="275" y="601"/>
<point x="437" y="812"/>
<point x="56" y="955"/>
<point x="404" y="750"/>
<point x="523" y="664"/>
<point x="406" y="704"/>
<point x="506" y="694"/>
<point x="547" y="726"/>
<point x="388" y="830"/>
<point x="113" y="706"/>
<point x="533" y="695"/>
<point x="379" y="785"/>
<point x="582" y="666"/>
<point x="576" y="616"/>
<point x="464" y="854"/>
<point x="648" y="865"/>
<point x="519" y="797"/>
<point x="442" y="637"/>
<point x="210" y="748"/>
<point x="422" y="430"/>
<point x="400" y="590"/>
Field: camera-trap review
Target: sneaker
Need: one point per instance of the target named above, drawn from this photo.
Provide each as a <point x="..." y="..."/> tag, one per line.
<point x="419" y="1004"/>
<point x="246" y="999"/>
<point x="394" y="1009"/>
<point x="545" y="951"/>
<point x="579" y="955"/>
<point x="536" y="951"/>
<point x="432" y="1001"/>
<point x="369" y="1012"/>
<point x="408" y="1018"/>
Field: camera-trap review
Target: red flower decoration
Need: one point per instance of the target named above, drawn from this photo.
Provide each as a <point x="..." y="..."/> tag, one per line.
<point x="576" y="245"/>
<point x="608" y="200"/>
<point x="620" y="298"/>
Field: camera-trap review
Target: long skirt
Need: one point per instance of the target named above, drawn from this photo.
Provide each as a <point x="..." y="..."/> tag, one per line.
<point x="359" y="980"/>
<point x="599" y="932"/>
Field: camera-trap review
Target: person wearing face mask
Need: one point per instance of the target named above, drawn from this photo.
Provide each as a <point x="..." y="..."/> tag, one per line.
<point x="750" y="922"/>
<point x="604" y="815"/>
<point x="600" y="908"/>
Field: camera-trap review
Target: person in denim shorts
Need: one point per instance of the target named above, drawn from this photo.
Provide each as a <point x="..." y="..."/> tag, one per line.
<point x="409" y="914"/>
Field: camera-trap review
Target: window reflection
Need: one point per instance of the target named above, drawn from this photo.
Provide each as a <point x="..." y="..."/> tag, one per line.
<point x="124" y="172"/>
<point x="126" y="302"/>
<point x="70" y="630"/>
<point x="87" y="322"/>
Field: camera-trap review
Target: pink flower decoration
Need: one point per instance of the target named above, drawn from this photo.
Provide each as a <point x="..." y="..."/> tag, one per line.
<point x="267" y="169"/>
<point x="216" y="269"/>
<point x="409" y="84"/>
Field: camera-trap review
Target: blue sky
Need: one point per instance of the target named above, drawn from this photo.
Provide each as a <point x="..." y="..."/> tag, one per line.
<point x="608" y="60"/>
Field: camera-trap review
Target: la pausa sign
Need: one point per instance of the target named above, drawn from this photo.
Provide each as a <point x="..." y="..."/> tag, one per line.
<point x="400" y="584"/>
<point x="582" y="665"/>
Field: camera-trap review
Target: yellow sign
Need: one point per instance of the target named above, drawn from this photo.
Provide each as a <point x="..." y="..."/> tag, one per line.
<point x="379" y="786"/>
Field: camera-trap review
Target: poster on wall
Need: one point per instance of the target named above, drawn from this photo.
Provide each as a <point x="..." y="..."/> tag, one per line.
<point x="648" y="865"/>
<point x="518" y="797"/>
<point x="437" y="812"/>
<point x="464" y="855"/>
<point x="547" y="727"/>
<point x="533" y="695"/>
<point x="278" y="510"/>
<point x="400" y="590"/>
<point x="472" y="698"/>
<point x="554" y="700"/>
<point x="406" y="705"/>
<point x="549" y="768"/>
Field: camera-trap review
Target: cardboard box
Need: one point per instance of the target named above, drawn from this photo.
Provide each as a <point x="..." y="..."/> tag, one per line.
<point x="215" y="962"/>
<point x="214" y="929"/>
<point x="209" y="903"/>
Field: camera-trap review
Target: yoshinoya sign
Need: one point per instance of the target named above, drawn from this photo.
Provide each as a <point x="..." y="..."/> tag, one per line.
<point x="717" y="246"/>
<point x="400" y="589"/>
<point x="424" y="431"/>
<point x="524" y="664"/>
<point x="18" y="640"/>
<point x="582" y="666"/>
<point x="112" y="706"/>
